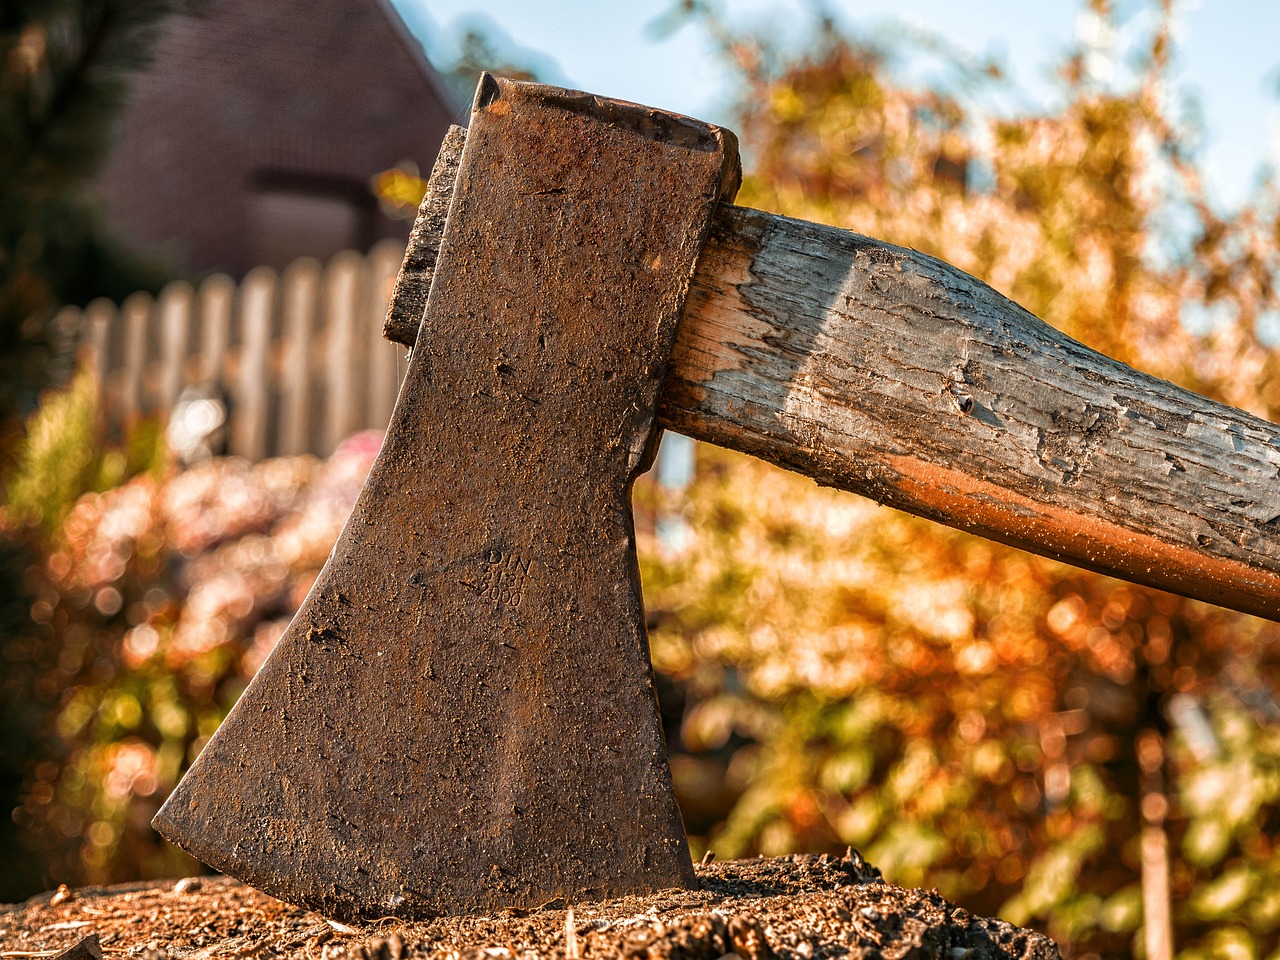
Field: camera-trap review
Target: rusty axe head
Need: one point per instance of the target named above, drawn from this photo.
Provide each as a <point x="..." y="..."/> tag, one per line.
<point x="461" y="716"/>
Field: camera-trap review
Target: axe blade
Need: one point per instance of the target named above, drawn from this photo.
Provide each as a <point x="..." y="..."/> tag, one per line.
<point x="461" y="716"/>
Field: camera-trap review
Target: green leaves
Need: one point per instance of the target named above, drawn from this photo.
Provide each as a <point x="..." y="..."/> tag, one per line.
<point x="966" y="715"/>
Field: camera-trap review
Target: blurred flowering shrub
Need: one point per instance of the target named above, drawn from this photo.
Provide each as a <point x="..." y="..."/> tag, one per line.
<point x="152" y="603"/>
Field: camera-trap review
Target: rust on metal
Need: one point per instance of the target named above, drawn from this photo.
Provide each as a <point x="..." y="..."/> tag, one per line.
<point x="461" y="717"/>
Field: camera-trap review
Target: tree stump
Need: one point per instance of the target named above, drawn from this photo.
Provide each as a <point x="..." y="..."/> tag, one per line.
<point x="799" y="907"/>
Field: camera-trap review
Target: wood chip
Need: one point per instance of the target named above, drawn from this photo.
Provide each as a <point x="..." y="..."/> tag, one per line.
<point x="570" y="936"/>
<point x="61" y="895"/>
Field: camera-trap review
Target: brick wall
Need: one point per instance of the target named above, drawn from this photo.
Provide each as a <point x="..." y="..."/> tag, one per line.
<point x="254" y="107"/>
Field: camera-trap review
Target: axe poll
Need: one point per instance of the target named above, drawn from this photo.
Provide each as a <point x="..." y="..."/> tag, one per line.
<point x="461" y="715"/>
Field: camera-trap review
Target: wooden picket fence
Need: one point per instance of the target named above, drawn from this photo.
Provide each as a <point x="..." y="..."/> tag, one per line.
<point x="298" y="357"/>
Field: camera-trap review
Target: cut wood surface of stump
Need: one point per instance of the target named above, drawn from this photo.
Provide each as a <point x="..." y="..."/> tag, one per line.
<point x="802" y="907"/>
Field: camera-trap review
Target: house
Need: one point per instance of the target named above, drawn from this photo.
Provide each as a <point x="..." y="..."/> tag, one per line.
<point x="253" y="136"/>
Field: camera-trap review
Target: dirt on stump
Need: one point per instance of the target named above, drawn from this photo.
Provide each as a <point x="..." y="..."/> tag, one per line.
<point x="801" y="907"/>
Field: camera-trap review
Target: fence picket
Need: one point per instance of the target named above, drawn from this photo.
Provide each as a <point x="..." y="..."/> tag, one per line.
<point x="341" y="307"/>
<point x="299" y="359"/>
<point x="96" y="325"/>
<point x="174" y="311"/>
<point x="136" y="315"/>
<point x="299" y="298"/>
<point x="217" y="294"/>
<point x="249" y="427"/>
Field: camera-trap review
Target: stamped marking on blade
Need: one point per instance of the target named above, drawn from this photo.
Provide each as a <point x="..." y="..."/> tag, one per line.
<point x="461" y="717"/>
<point x="504" y="576"/>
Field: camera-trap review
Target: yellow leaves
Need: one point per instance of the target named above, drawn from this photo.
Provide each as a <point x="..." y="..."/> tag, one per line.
<point x="57" y="456"/>
<point x="1231" y="792"/>
<point x="1264" y="912"/>
<point x="786" y="103"/>
<point x="77" y="713"/>
<point x="913" y="771"/>
<point x="1122" y="912"/>
<point x="937" y="608"/>
<point x="848" y="770"/>
<point x="123" y="710"/>
<point x="907" y="852"/>
<point x="131" y="770"/>
<point x="709" y="725"/>
<point x="858" y="823"/>
<point x="1027" y="701"/>
<point x="400" y="189"/>
<point x="1206" y="842"/>
<point x="169" y="718"/>
<point x="989" y="761"/>
<point x="1224" y="895"/>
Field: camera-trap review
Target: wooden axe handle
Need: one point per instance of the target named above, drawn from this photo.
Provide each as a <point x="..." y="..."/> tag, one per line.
<point x="880" y="370"/>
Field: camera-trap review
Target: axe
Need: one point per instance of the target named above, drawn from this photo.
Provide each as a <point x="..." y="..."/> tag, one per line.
<point x="461" y="716"/>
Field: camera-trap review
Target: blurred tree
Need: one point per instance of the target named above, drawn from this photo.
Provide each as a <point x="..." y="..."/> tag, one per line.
<point x="481" y="49"/>
<point x="970" y="716"/>
<point x="64" y="70"/>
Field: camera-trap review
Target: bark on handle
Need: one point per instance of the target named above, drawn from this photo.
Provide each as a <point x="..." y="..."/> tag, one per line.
<point x="883" y="371"/>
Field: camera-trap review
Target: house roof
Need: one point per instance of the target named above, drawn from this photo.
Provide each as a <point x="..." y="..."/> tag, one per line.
<point x="247" y="98"/>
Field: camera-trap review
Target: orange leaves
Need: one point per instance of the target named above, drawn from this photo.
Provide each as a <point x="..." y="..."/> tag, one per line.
<point x="399" y="190"/>
<point x="156" y="602"/>
<point x="965" y="714"/>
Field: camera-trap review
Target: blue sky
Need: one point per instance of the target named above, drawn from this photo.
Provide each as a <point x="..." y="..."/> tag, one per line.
<point x="1227" y="55"/>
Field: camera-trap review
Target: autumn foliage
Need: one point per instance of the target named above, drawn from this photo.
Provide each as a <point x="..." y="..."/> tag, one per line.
<point x="1001" y="726"/>
<point x="1011" y="730"/>
<point x="154" y="597"/>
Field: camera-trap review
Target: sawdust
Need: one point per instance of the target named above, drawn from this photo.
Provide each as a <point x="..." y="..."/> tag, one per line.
<point x="790" y="908"/>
